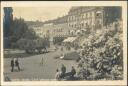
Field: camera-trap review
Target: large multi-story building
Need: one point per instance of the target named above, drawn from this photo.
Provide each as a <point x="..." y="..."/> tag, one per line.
<point x="54" y="28"/>
<point x="59" y="30"/>
<point x="55" y="33"/>
<point x="61" y="20"/>
<point x="82" y="17"/>
<point x="78" y="18"/>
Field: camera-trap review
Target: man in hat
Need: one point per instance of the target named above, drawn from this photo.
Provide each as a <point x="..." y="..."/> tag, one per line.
<point x="63" y="71"/>
<point x="12" y="64"/>
<point x="17" y="64"/>
<point x="73" y="72"/>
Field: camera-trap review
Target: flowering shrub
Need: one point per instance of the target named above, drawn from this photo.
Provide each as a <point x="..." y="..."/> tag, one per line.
<point x="103" y="55"/>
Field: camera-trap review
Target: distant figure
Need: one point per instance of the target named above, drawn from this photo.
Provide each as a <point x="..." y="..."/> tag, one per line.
<point x="63" y="71"/>
<point x="45" y="49"/>
<point x="69" y="48"/>
<point x="6" y="77"/>
<point x="55" y="48"/>
<point x="73" y="71"/>
<point x="42" y="61"/>
<point x="57" y="76"/>
<point x="12" y="64"/>
<point x="17" y="64"/>
<point x="61" y="48"/>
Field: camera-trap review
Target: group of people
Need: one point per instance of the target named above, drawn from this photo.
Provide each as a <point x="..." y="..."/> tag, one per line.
<point x="15" y="63"/>
<point x="61" y="74"/>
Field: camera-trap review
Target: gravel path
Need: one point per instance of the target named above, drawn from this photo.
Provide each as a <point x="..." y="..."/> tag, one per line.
<point x="32" y="69"/>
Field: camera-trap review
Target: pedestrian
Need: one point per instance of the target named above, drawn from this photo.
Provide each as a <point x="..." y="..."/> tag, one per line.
<point x="63" y="71"/>
<point x="61" y="48"/>
<point x="17" y="64"/>
<point x="45" y="49"/>
<point x="6" y="77"/>
<point x="42" y="61"/>
<point x="12" y="64"/>
<point x="73" y="72"/>
<point x="57" y="75"/>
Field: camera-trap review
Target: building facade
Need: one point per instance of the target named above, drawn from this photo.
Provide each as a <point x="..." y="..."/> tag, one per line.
<point x="82" y="17"/>
<point x="79" y="18"/>
<point x="61" y="20"/>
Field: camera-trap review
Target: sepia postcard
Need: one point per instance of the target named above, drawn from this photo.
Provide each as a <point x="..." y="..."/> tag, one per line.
<point x="64" y="43"/>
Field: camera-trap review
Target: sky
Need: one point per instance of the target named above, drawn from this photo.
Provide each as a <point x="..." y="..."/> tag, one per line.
<point x="41" y="14"/>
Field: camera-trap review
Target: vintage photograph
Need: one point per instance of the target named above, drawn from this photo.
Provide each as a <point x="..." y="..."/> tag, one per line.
<point x="58" y="43"/>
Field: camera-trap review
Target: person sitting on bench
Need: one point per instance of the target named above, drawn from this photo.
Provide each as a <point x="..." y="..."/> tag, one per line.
<point x="63" y="71"/>
<point x="73" y="71"/>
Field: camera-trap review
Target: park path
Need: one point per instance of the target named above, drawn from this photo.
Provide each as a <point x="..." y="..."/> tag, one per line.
<point x="32" y="69"/>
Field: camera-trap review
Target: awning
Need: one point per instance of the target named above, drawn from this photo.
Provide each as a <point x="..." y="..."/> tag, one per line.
<point x="70" y="39"/>
<point x="99" y="12"/>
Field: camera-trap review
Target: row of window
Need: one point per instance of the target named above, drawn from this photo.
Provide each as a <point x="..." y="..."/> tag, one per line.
<point x="55" y="32"/>
<point x="57" y="35"/>
<point x="81" y="16"/>
<point x="80" y="25"/>
<point x="83" y="23"/>
<point x="58" y="30"/>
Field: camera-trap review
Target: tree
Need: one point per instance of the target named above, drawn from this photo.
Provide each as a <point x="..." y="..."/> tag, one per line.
<point x="7" y="22"/>
<point x="8" y="19"/>
<point x="20" y="30"/>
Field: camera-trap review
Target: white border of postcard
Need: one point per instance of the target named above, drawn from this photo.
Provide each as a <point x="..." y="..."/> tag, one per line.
<point x="65" y="4"/>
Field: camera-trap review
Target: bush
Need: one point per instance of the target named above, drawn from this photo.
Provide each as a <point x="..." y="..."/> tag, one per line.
<point x="102" y="52"/>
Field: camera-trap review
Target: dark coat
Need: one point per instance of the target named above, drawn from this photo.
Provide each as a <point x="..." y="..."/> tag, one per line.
<point x="12" y="63"/>
<point x="73" y="71"/>
<point x="16" y="63"/>
<point x="63" y="69"/>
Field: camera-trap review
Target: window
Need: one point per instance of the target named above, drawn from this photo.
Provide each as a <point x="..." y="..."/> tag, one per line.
<point x="86" y="15"/>
<point x="72" y="17"/>
<point x="97" y="14"/>
<point x="90" y="14"/>
<point x="75" y="25"/>
<point x="81" y="16"/>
